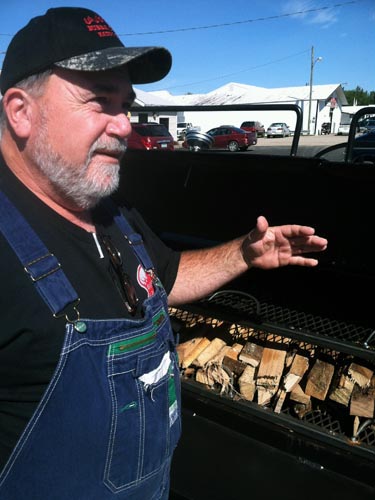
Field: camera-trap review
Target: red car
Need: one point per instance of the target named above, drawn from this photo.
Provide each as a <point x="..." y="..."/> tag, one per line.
<point x="254" y="127"/>
<point x="232" y="138"/>
<point x="150" y="136"/>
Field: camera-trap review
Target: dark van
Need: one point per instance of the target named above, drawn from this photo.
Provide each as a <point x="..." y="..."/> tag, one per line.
<point x="254" y="127"/>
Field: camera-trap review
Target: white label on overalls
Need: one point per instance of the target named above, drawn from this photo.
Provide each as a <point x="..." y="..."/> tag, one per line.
<point x="155" y="375"/>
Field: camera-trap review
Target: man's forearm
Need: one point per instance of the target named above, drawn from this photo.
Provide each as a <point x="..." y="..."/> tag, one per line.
<point x="201" y="272"/>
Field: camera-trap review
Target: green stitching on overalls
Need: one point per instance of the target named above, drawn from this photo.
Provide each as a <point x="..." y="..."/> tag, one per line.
<point x="131" y="344"/>
<point x="129" y="406"/>
<point x="137" y="342"/>
<point x="172" y="398"/>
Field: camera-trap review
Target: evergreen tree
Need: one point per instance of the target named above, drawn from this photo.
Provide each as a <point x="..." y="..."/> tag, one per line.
<point x="359" y="97"/>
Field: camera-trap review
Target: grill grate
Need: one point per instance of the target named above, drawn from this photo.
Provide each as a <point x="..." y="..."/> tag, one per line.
<point x="244" y="307"/>
<point x="323" y="419"/>
<point x="243" y="318"/>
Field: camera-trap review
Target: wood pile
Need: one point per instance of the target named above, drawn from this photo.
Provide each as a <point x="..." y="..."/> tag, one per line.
<point x="274" y="371"/>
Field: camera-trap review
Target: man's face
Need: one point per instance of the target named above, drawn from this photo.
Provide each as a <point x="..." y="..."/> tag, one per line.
<point x="81" y="134"/>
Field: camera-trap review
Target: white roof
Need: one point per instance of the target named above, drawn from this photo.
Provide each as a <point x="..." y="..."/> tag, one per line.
<point x="237" y="93"/>
<point x="148" y="99"/>
<point x="351" y="110"/>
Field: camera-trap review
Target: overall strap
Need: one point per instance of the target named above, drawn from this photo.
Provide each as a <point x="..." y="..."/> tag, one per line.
<point x="42" y="266"/>
<point x="134" y="239"/>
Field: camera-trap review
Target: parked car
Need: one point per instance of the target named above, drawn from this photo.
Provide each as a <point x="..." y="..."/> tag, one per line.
<point x="150" y="136"/>
<point x="363" y="150"/>
<point x="232" y="138"/>
<point x="182" y="128"/>
<point x="278" y="129"/>
<point x="368" y="125"/>
<point x="254" y="127"/>
<point x="343" y="129"/>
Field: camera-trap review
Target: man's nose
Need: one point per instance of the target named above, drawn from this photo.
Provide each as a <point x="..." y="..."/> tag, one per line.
<point x="119" y="126"/>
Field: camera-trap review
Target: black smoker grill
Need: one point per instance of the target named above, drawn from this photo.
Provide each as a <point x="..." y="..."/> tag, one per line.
<point x="232" y="448"/>
<point x="267" y="452"/>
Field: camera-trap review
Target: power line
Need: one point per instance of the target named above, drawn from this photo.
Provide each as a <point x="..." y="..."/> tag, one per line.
<point x="280" y="16"/>
<point x="210" y="26"/>
<point x="237" y="72"/>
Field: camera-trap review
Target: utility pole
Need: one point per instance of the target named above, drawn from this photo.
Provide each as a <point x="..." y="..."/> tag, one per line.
<point x="313" y="61"/>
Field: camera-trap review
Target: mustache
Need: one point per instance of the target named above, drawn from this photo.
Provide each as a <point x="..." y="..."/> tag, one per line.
<point x="113" y="146"/>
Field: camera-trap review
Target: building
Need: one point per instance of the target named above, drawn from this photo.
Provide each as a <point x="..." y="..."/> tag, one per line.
<point x="167" y="118"/>
<point x="327" y="102"/>
<point x="348" y="112"/>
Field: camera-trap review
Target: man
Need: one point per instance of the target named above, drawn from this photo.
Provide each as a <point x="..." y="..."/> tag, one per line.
<point x="89" y="383"/>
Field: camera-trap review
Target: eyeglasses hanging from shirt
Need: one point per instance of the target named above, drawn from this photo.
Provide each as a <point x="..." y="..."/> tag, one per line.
<point x="119" y="276"/>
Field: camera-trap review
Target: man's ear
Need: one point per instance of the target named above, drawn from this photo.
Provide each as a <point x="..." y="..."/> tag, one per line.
<point x="18" y="109"/>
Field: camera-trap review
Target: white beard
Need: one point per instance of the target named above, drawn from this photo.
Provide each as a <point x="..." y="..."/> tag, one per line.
<point x="72" y="181"/>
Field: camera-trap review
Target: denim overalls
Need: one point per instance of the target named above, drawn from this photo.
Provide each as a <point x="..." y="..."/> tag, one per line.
<point x="109" y="420"/>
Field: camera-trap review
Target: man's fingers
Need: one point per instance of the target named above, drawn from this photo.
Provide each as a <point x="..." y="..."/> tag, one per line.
<point x="303" y="261"/>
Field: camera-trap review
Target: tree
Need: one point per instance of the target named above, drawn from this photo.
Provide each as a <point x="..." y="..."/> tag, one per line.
<point x="359" y="97"/>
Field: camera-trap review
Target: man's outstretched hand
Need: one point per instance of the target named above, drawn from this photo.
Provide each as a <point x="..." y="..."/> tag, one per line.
<point x="269" y="247"/>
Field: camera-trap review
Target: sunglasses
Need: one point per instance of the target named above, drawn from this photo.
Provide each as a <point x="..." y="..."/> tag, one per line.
<point x="120" y="277"/>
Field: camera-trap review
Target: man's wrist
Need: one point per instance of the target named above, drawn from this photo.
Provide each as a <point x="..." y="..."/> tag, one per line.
<point x="244" y="250"/>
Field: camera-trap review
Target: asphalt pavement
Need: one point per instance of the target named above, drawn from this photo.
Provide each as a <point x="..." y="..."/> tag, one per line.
<point x="308" y="145"/>
<point x="304" y="140"/>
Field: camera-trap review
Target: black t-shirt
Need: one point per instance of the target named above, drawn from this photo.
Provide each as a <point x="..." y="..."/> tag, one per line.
<point x="30" y="337"/>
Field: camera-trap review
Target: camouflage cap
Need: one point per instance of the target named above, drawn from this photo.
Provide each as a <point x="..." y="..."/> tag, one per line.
<point x="78" y="39"/>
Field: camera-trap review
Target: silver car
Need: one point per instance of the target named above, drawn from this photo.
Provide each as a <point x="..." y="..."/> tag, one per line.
<point x="343" y="129"/>
<point x="278" y="130"/>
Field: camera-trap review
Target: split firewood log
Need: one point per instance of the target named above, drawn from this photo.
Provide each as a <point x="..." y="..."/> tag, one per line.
<point x="269" y="374"/>
<point x="362" y="403"/>
<point x="219" y="376"/>
<point x="251" y="354"/>
<point x="209" y="352"/>
<point x="219" y="356"/>
<point x="198" y="347"/>
<point x="298" y="368"/>
<point x="356" y="423"/>
<point x="319" y="379"/>
<point x="343" y="390"/>
<point x="360" y="374"/>
<point x="290" y="355"/>
<point x="280" y="398"/>
<point x="302" y="401"/>
<point x="185" y="348"/>
<point x="234" y="366"/>
<point x="247" y="383"/>
<point x="299" y="396"/>
<point x="234" y="351"/>
<point x="204" y="377"/>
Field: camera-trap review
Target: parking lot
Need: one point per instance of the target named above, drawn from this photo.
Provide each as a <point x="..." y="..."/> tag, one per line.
<point x="308" y="145"/>
<point x="304" y="140"/>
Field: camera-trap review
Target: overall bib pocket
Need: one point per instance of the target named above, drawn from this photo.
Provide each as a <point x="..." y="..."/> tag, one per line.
<point x="145" y="424"/>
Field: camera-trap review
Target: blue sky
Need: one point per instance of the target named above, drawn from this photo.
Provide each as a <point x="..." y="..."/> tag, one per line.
<point x="214" y="42"/>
